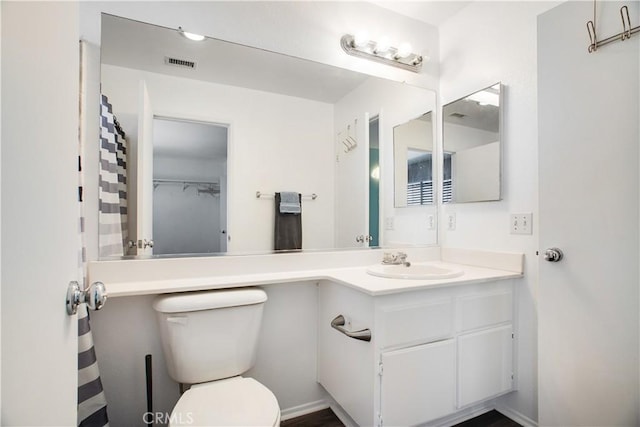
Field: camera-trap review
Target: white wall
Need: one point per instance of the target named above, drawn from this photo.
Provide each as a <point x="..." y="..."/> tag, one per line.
<point x="286" y="359"/>
<point x="485" y="43"/>
<point x="276" y="143"/>
<point x="475" y="173"/>
<point x="39" y="211"/>
<point x="0" y="218"/>
<point x="457" y="137"/>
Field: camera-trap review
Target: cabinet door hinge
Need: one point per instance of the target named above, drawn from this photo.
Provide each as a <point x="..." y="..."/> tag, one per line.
<point x="380" y="369"/>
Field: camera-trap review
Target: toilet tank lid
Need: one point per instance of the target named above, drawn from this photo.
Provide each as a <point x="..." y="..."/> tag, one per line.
<point x="208" y="300"/>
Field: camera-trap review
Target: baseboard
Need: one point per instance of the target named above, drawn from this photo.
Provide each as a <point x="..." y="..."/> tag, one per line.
<point x="464" y="415"/>
<point x="304" y="409"/>
<point x="341" y="414"/>
<point x="516" y="416"/>
<point x="461" y="416"/>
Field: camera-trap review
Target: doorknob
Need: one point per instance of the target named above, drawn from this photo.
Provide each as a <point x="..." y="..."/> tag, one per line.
<point x="95" y="296"/>
<point x="360" y="238"/>
<point x="553" y="255"/>
<point x="144" y="244"/>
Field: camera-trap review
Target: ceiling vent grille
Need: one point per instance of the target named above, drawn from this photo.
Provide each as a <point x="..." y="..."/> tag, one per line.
<point x="182" y="63"/>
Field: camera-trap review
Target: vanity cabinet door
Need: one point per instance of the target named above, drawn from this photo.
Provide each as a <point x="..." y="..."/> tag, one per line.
<point x="485" y="364"/>
<point x="418" y="383"/>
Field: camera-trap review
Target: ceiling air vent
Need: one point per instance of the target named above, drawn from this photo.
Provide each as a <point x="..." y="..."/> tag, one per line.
<point x="182" y="63"/>
<point x="457" y="115"/>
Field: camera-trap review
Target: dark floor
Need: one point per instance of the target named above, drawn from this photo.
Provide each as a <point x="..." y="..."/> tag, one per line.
<point x="326" y="418"/>
<point x="489" y="419"/>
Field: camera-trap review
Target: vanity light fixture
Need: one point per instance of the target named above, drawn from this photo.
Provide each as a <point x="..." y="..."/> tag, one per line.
<point x="383" y="52"/>
<point x="190" y="36"/>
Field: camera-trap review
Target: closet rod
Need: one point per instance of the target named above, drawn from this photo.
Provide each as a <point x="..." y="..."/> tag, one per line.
<point x="312" y="196"/>
<point x="178" y="181"/>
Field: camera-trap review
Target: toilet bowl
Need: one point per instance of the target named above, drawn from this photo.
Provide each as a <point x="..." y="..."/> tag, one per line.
<point x="235" y="401"/>
<point x="209" y="339"/>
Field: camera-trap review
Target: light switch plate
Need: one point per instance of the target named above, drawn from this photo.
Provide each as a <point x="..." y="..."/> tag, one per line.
<point x="521" y="223"/>
<point x="389" y="223"/>
<point x="451" y="221"/>
<point x="431" y="222"/>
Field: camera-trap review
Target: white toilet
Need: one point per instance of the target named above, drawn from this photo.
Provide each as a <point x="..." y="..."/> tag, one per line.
<point x="209" y="339"/>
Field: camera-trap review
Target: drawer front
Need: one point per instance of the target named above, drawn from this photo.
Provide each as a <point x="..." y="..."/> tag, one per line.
<point x="483" y="310"/>
<point x="415" y="324"/>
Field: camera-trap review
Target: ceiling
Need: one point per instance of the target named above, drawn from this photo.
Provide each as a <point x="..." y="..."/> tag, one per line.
<point x="431" y="12"/>
<point x="142" y="46"/>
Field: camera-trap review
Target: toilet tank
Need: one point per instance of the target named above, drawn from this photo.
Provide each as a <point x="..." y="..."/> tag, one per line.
<point x="209" y="335"/>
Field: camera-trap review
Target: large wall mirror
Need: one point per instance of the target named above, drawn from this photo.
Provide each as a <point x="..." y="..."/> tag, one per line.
<point x="472" y="147"/>
<point x="214" y="130"/>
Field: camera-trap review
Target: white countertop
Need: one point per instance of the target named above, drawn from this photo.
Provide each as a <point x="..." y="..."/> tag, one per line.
<point x="354" y="277"/>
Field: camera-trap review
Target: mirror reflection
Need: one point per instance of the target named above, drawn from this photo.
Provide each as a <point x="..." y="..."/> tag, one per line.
<point x="472" y="147"/>
<point x="189" y="187"/>
<point x="413" y="160"/>
<point x="217" y="134"/>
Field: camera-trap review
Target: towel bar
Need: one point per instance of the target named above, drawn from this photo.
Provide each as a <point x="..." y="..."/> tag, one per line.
<point x="338" y="324"/>
<point x="312" y="196"/>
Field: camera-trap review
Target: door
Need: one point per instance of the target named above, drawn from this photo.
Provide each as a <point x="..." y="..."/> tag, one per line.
<point x="39" y="211"/>
<point x="588" y="200"/>
<point x="144" y="200"/>
<point x="352" y="184"/>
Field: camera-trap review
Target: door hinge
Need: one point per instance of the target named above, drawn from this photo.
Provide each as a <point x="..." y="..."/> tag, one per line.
<point x="379" y="419"/>
<point x="380" y="369"/>
<point x="513" y="336"/>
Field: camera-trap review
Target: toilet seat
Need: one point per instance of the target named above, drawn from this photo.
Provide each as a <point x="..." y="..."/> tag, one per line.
<point x="235" y="401"/>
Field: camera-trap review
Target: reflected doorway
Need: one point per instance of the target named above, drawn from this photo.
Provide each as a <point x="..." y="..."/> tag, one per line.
<point x="374" y="182"/>
<point x="189" y="187"/>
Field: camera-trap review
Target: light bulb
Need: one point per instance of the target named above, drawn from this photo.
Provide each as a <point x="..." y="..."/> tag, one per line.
<point x="383" y="45"/>
<point x="361" y="39"/>
<point x="404" y="50"/>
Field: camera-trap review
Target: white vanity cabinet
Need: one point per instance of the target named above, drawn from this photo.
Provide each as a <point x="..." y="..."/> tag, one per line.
<point x="432" y="352"/>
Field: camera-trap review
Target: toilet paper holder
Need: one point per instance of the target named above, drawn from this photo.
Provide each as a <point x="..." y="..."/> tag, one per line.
<point x="95" y="296"/>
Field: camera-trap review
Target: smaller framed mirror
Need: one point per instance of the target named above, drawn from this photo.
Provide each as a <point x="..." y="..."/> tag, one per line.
<point x="472" y="147"/>
<point x="413" y="162"/>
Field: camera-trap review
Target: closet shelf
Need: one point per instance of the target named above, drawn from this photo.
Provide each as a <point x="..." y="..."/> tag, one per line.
<point x="206" y="187"/>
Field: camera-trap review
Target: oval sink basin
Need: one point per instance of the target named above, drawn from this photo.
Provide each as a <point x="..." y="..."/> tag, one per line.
<point x="414" y="271"/>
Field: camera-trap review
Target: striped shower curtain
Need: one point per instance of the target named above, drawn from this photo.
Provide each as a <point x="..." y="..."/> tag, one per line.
<point x="113" y="184"/>
<point x="92" y="403"/>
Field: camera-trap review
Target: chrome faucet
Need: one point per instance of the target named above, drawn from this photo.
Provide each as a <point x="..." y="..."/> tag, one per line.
<point x="395" y="258"/>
